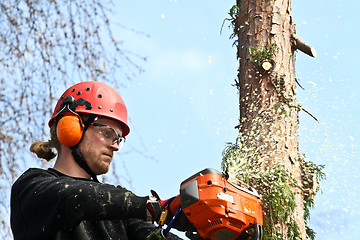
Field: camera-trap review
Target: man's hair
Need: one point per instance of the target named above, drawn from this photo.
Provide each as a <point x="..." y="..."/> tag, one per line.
<point x="45" y="149"/>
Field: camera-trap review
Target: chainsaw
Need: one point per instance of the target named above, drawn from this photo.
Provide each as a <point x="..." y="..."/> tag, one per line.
<point x="219" y="209"/>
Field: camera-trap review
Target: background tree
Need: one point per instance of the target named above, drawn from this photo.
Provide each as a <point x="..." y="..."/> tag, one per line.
<point x="266" y="153"/>
<point x="45" y="46"/>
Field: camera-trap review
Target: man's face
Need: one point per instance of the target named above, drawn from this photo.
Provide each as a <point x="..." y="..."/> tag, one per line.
<point x="96" y="148"/>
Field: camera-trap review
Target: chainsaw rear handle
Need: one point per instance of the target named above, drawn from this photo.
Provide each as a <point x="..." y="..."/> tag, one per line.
<point x="176" y="215"/>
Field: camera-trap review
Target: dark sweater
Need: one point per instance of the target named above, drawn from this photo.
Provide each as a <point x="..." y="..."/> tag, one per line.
<point x="46" y="204"/>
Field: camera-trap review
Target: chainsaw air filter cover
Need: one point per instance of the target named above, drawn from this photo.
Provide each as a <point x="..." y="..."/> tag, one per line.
<point x="219" y="209"/>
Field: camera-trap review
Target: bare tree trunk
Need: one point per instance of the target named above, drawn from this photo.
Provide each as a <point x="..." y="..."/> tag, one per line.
<point x="268" y="107"/>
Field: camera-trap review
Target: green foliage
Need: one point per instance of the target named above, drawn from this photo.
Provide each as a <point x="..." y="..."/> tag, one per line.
<point x="262" y="54"/>
<point x="234" y="10"/>
<point x="270" y="231"/>
<point x="309" y="201"/>
<point x="280" y="193"/>
<point x="293" y="231"/>
<point x="308" y="204"/>
<point x="318" y="170"/>
<point x="310" y="233"/>
<point x="276" y="188"/>
<point x="279" y="198"/>
<point x="280" y="109"/>
<point x="233" y="13"/>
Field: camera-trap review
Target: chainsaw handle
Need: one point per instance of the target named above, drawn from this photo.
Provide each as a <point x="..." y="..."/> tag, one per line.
<point x="166" y="231"/>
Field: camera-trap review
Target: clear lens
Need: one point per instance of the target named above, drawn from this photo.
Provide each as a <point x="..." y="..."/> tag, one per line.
<point x="121" y="142"/>
<point x="109" y="134"/>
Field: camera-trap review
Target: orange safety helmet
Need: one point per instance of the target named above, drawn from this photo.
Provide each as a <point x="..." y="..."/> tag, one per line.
<point x="100" y="99"/>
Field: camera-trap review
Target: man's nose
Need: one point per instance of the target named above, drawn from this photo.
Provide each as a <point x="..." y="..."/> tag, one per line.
<point x="115" y="147"/>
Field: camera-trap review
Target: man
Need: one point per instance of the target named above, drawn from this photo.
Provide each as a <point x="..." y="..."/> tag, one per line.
<point x="88" y="125"/>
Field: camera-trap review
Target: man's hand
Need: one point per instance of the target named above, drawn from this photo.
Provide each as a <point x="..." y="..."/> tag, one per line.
<point x="154" y="207"/>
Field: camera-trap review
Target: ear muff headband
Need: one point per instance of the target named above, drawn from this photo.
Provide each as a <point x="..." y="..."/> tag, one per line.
<point x="70" y="129"/>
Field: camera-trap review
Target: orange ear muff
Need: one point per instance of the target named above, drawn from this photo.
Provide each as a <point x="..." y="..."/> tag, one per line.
<point x="69" y="130"/>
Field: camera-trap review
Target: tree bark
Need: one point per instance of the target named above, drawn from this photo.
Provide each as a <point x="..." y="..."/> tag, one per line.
<point x="266" y="81"/>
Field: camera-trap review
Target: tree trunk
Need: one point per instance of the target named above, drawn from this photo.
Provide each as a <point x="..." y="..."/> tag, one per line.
<point x="268" y="107"/>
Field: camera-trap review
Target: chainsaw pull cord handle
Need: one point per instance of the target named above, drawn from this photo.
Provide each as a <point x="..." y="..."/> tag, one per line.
<point x="172" y="221"/>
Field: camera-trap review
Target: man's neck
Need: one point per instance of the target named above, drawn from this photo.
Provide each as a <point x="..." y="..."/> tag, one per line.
<point x="66" y="164"/>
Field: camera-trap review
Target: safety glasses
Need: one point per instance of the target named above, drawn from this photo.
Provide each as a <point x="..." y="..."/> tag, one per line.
<point x="109" y="134"/>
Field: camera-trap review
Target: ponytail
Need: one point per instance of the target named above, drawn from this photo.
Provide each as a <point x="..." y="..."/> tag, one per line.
<point x="45" y="149"/>
<point x="42" y="150"/>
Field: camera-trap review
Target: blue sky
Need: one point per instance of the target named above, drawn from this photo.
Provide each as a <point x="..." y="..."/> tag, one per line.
<point x="183" y="108"/>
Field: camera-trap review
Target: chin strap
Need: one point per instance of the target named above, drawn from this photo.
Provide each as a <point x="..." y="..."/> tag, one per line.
<point x="79" y="158"/>
<point x="82" y="163"/>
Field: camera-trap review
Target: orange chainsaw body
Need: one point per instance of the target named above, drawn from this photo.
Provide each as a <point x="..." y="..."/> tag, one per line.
<point x="219" y="209"/>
